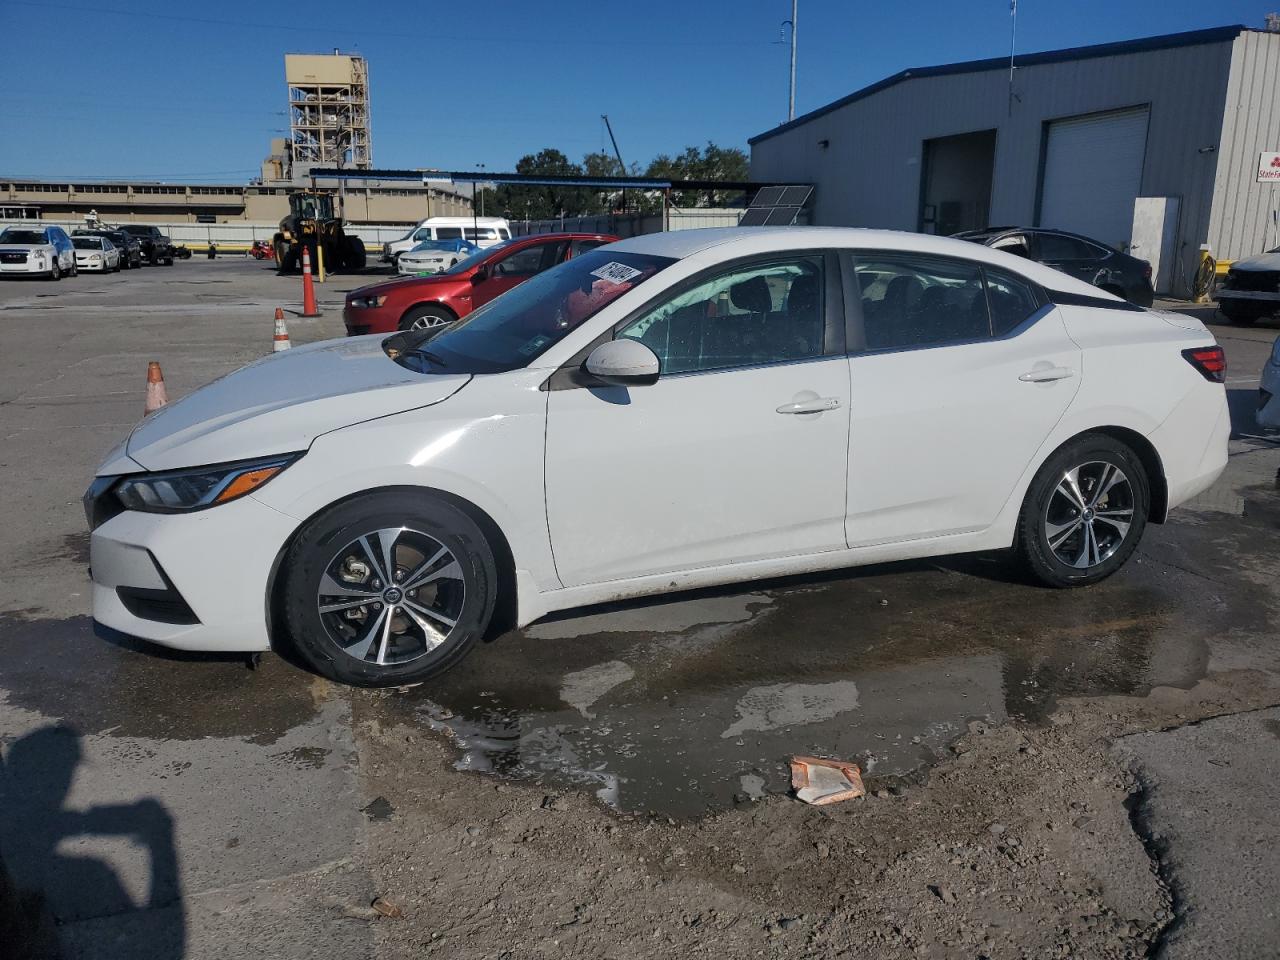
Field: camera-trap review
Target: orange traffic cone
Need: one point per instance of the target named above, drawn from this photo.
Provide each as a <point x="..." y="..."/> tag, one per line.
<point x="280" y="341"/>
<point x="308" y="287"/>
<point x="156" y="396"/>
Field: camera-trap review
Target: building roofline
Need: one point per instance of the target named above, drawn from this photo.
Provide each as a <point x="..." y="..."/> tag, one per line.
<point x="1164" y="42"/>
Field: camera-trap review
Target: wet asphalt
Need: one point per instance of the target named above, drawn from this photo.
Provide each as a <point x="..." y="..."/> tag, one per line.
<point x="210" y="794"/>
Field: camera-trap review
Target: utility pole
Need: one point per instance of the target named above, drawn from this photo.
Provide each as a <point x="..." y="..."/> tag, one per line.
<point x="622" y="167"/>
<point x="791" y="105"/>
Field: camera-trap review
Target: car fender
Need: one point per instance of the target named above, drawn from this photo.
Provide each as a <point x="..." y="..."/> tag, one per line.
<point x="463" y="447"/>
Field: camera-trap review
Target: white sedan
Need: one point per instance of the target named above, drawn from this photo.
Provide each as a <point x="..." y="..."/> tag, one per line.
<point x="675" y="410"/>
<point x="96" y="254"/>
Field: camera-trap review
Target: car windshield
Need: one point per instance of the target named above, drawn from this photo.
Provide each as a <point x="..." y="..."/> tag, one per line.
<point x="512" y="330"/>
<point x="22" y="236"/>
<point x="448" y="246"/>
<point x="86" y="243"/>
<point x="465" y="266"/>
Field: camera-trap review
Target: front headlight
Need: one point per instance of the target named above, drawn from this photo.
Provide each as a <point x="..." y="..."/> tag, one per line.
<point x="178" y="490"/>
<point x="367" y="302"/>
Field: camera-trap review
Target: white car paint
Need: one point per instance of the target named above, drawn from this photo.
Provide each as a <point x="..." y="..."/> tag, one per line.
<point x="36" y="258"/>
<point x="97" y="255"/>
<point x="421" y="259"/>
<point x="1269" y="390"/>
<point x="694" y="480"/>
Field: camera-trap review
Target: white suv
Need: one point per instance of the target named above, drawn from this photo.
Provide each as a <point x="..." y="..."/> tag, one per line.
<point x="38" y="250"/>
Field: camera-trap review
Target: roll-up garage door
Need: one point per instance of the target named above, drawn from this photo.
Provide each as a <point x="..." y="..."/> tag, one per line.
<point x="1093" y="173"/>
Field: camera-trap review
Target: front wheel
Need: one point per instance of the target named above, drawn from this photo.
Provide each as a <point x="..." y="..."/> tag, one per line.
<point x="426" y="318"/>
<point x="56" y="272"/>
<point x="390" y="588"/>
<point x="1084" y="512"/>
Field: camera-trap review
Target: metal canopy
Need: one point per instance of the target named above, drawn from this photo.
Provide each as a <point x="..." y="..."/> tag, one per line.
<point x="603" y="183"/>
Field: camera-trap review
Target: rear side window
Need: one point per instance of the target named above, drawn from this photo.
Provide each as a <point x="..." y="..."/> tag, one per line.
<point x="1011" y="300"/>
<point x="447" y="233"/>
<point x="1056" y="246"/>
<point x="913" y="301"/>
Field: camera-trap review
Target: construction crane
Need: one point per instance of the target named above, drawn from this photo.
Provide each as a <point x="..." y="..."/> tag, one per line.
<point x="622" y="167"/>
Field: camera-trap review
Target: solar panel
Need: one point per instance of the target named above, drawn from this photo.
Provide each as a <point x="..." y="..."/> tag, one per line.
<point x="767" y="197"/>
<point x="782" y="216"/>
<point x="796" y="196"/>
<point x="755" y="216"/>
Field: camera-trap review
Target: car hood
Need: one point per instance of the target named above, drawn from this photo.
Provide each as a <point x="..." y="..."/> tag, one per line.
<point x="1265" y="261"/>
<point x="406" y="283"/>
<point x="281" y="403"/>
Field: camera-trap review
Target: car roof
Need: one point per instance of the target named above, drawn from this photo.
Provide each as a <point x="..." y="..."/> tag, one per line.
<point x="731" y="242"/>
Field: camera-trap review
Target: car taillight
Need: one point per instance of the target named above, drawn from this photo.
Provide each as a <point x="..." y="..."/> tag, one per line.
<point x="1210" y="361"/>
<point x="1146" y="270"/>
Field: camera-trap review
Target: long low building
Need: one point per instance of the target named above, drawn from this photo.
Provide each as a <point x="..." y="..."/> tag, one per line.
<point x="1071" y="142"/>
<point x="116" y="201"/>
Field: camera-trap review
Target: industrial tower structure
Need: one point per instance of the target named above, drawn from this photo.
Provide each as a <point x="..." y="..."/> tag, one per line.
<point x="328" y="111"/>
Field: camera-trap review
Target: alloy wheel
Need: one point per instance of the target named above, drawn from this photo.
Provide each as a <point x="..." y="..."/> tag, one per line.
<point x="1089" y="514"/>
<point x="391" y="596"/>
<point x="428" y="322"/>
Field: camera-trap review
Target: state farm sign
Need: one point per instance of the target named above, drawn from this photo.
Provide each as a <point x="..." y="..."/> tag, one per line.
<point x="1268" y="167"/>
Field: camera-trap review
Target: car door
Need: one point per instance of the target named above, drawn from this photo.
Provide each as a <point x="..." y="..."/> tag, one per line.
<point x="514" y="267"/>
<point x="736" y="453"/>
<point x="960" y="373"/>
<point x="1071" y="255"/>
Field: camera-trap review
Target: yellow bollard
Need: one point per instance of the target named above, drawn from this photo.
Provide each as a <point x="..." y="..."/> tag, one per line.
<point x="320" y="259"/>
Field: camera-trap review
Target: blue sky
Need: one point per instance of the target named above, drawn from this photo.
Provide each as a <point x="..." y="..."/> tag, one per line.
<point x="456" y="85"/>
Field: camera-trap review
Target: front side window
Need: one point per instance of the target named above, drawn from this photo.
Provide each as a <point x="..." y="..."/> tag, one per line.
<point x="765" y="313"/>
<point x="528" y="261"/>
<point x="912" y="301"/>
<point x="514" y="329"/>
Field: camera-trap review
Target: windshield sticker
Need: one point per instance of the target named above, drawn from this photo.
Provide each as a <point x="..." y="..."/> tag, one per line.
<point x="534" y="345"/>
<point x="616" y="272"/>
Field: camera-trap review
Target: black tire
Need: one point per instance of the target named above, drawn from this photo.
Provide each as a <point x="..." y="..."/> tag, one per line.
<point x="168" y="261"/>
<point x="1241" y="316"/>
<point x="1050" y="503"/>
<point x="55" y="273"/>
<point x="425" y="316"/>
<point x="423" y="523"/>
<point x="354" y="256"/>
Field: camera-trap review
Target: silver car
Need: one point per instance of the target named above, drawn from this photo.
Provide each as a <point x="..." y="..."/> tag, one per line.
<point x="96" y="254"/>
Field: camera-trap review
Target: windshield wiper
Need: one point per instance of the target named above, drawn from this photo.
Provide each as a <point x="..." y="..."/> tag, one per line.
<point x="426" y="355"/>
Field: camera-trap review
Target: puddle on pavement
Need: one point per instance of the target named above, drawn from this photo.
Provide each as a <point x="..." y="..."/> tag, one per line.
<point x="63" y="670"/>
<point x="691" y="705"/>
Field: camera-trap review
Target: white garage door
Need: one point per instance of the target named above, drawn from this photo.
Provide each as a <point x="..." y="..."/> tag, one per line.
<point x="1093" y="173"/>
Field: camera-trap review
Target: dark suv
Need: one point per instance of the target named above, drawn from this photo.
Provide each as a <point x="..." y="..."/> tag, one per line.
<point x="156" y="247"/>
<point x="1093" y="262"/>
<point x="130" y="249"/>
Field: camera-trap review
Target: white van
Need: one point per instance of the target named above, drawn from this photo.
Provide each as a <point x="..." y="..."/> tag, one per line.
<point x="482" y="231"/>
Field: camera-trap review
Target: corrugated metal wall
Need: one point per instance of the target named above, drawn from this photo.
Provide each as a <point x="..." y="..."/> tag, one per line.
<point x="1239" y="224"/>
<point x="869" y="175"/>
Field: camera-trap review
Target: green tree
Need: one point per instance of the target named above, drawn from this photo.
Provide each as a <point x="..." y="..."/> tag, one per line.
<point x="709" y="163"/>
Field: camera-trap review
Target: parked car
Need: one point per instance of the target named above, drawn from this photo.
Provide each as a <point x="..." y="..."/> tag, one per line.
<point x="1089" y="260"/>
<point x="130" y="249"/>
<point x="484" y="232"/>
<point x="156" y="247"/>
<point x="96" y="254"/>
<point x="415" y="303"/>
<point x="434" y="256"/>
<point x="45" y="251"/>
<point x="1251" y="289"/>
<point x="673" y="411"/>
<point x="1269" y="390"/>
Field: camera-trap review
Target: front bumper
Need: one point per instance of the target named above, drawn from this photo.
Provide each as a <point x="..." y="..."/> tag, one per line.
<point x="1261" y="298"/>
<point x="27" y="267"/>
<point x="191" y="581"/>
<point x="364" y="320"/>
<point x="410" y="267"/>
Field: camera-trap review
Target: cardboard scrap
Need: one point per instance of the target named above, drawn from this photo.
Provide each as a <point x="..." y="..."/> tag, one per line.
<point x="819" y="781"/>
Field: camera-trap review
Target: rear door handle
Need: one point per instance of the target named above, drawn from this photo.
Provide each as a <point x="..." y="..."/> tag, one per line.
<point x="811" y="406"/>
<point x="1047" y="374"/>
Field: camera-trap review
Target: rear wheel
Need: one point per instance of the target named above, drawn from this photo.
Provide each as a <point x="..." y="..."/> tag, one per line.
<point x="1084" y="513"/>
<point x="1241" y="316"/>
<point x="390" y="588"/>
<point x="426" y="318"/>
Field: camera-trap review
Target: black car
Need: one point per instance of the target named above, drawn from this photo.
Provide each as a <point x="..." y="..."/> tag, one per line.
<point x="130" y="249"/>
<point x="156" y="247"/>
<point x="1093" y="262"/>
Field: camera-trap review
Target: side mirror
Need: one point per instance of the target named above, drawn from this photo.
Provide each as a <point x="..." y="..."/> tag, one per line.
<point x="481" y="275"/>
<point x="624" y="362"/>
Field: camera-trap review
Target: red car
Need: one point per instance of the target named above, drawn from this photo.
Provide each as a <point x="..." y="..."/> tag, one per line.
<point x="416" y="303"/>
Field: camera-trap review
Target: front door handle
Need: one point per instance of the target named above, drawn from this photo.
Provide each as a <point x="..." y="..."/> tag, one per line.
<point x="817" y="405"/>
<point x="1047" y="374"/>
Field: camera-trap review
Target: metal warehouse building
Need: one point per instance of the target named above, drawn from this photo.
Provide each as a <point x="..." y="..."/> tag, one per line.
<point x="1076" y="138"/>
